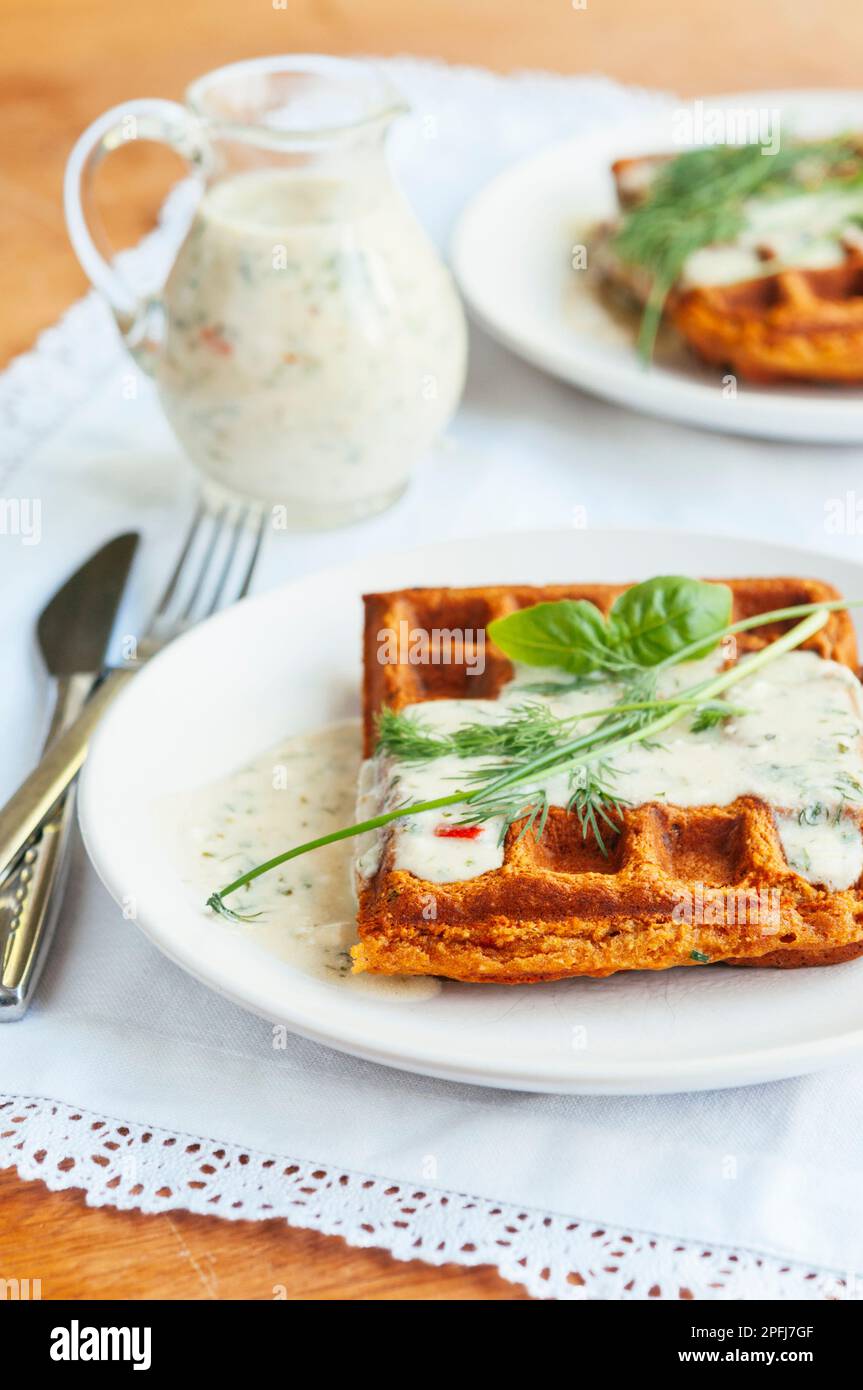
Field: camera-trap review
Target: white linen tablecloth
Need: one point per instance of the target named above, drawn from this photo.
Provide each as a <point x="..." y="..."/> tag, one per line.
<point x="131" y="1080"/>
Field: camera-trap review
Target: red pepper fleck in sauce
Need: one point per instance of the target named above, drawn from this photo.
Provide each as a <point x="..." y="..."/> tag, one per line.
<point x="458" y="832"/>
<point x="214" y="339"/>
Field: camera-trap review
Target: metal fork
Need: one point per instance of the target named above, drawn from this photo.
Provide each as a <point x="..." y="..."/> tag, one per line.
<point x="215" y="567"/>
<point x="226" y="544"/>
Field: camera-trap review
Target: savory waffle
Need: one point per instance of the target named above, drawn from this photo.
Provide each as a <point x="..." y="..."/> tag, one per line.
<point x="558" y="907"/>
<point x="804" y="325"/>
<point x="792" y="325"/>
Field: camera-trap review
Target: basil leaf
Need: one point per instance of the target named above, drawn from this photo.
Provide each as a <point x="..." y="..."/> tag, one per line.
<point x="648" y="623"/>
<point x="653" y="620"/>
<point x="570" y="634"/>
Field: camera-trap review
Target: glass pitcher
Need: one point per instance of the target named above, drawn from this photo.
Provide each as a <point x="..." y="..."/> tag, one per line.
<point x="308" y="344"/>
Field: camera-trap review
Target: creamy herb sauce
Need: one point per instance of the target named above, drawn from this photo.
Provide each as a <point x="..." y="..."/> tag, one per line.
<point x="314" y="344"/>
<point x="809" y="231"/>
<point x="306" y="909"/>
<point x="798" y="747"/>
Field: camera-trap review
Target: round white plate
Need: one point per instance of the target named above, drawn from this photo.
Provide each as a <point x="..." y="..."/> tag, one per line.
<point x="289" y="661"/>
<point x="512" y="254"/>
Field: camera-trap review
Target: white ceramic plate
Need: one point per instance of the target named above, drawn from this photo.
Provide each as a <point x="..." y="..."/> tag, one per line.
<point x="512" y="257"/>
<point x="194" y="714"/>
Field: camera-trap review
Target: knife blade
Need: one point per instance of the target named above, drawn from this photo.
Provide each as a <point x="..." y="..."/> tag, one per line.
<point x="73" y="632"/>
<point x="75" y="626"/>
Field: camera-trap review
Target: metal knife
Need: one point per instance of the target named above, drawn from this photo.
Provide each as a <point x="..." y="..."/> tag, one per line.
<point x="73" y="632"/>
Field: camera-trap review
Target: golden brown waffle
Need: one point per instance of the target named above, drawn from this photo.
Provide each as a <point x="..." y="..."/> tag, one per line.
<point x="633" y="177"/>
<point x="803" y="325"/>
<point x="558" y="907"/>
<point x="795" y="325"/>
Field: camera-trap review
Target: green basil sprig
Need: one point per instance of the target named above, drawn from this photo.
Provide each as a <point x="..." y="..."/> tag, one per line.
<point x="648" y="624"/>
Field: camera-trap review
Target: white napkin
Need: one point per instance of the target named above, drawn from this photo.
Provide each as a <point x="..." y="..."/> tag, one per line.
<point x="120" y="1032"/>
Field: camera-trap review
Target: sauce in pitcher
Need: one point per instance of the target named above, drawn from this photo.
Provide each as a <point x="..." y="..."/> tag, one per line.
<point x="315" y="346"/>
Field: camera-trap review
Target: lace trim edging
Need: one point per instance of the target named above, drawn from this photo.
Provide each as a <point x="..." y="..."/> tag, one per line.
<point x="131" y="1166"/>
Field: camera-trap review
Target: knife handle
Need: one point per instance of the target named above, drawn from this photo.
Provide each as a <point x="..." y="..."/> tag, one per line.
<point x="36" y="797"/>
<point x="30" y="901"/>
<point x="31" y="893"/>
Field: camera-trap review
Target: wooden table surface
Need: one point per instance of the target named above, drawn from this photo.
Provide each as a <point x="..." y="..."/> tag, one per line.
<point x="65" y="62"/>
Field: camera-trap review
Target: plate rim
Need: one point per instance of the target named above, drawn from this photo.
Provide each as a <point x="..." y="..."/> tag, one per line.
<point x="611" y="1077"/>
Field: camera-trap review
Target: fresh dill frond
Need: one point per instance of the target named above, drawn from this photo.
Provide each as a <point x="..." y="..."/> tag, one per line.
<point x="715" y="712"/>
<point x="406" y="738"/>
<point x="708" y="717"/>
<point x="593" y="801"/>
<point x="529" y="730"/>
<point x="698" y="199"/>
<point x="849" y="788"/>
<point x="531" y="808"/>
<point x="640" y="687"/>
<point x="497" y="793"/>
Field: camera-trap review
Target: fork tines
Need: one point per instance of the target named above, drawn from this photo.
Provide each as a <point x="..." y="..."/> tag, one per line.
<point x="216" y="563"/>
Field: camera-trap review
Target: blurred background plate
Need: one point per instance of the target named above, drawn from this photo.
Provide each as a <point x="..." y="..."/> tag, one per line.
<point x="512" y="253"/>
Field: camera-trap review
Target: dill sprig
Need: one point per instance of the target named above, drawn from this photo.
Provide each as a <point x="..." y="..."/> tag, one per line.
<point x="593" y="801"/>
<point x="531" y="729"/>
<point x="586" y="750"/>
<point x="617" y="733"/>
<point x="529" y="807"/>
<point x="698" y="199"/>
<point x="715" y="712"/>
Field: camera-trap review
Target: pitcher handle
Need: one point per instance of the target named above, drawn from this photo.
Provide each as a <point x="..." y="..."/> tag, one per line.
<point x="149" y="118"/>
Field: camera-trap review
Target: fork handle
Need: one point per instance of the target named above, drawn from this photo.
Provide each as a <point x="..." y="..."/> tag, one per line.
<point x="38" y="793"/>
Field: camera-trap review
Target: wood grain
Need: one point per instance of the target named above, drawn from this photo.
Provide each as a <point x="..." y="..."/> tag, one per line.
<point x="64" y="62"/>
<point x="67" y="60"/>
<point x="78" y="1252"/>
